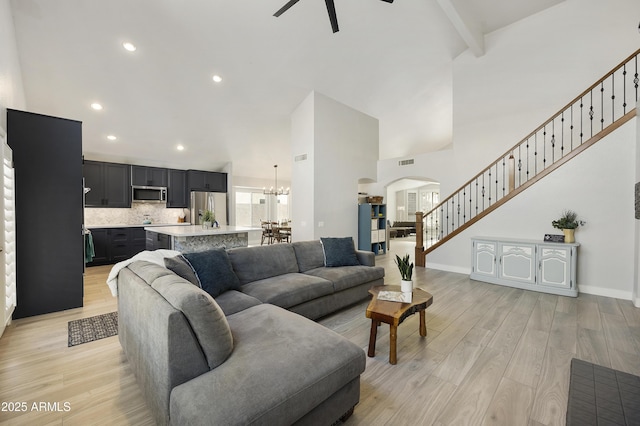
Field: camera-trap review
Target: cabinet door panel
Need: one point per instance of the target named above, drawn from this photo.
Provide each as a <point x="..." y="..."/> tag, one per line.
<point x="92" y="173"/>
<point x="484" y="254"/>
<point x="117" y="185"/>
<point x="555" y="266"/>
<point x="177" y="189"/>
<point x="517" y="262"/>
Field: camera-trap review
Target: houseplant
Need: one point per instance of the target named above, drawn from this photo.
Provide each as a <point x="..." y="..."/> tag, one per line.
<point x="406" y="272"/>
<point x="207" y="218"/>
<point x="568" y="222"/>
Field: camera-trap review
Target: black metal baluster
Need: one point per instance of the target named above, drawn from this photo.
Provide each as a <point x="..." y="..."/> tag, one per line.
<point x="519" y="164"/>
<point x="476" y="196"/>
<point x="483" y="192"/>
<point x="458" y="209"/>
<point x="503" y="177"/>
<point x="453" y="204"/>
<point x="581" y="120"/>
<point x="591" y="113"/>
<point x="636" y="80"/>
<point x="535" y="154"/>
<point x="613" y="97"/>
<point x="527" y="157"/>
<point x="562" y="137"/>
<point x="624" y="89"/>
<point x="544" y="147"/>
<point x="601" y="106"/>
<point x="464" y="204"/>
<point x="571" y="128"/>
<point x="489" y="185"/>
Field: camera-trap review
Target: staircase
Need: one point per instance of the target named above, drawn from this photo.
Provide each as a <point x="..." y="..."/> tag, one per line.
<point x="602" y="108"/>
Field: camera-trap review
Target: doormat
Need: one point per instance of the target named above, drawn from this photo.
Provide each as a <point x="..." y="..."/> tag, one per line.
<point x="93" y="328"/>
<point x="602" y="396"/>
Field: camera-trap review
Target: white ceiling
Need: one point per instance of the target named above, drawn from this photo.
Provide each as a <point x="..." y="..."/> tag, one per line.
<point x="391" y="61"/>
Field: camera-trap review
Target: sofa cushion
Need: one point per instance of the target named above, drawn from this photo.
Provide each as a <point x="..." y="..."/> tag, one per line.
<point x="214" y="270"/>
<point x="339" y="252"/>
<point x="282" y="367"/>
<point x="289" y="289"/>
<point x="182" y="268"/>
<point x="257" y="263"/>
<point x="204" y="315"/>
<point x="233" y="301"/>
<point x="309" y="254"/>
<point x="348" y="276"/>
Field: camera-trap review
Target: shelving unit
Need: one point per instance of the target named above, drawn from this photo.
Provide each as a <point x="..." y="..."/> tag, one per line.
<point x="372" y="228"/>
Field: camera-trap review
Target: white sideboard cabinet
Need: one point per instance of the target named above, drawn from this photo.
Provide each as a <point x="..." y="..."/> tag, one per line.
<point x="526" y="264"/>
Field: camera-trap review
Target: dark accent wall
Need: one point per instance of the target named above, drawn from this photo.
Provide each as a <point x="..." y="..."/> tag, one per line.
<point x="47" y="156"/>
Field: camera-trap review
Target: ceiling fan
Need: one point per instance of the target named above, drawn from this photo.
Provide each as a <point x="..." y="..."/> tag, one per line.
<point x="331" y="9"/>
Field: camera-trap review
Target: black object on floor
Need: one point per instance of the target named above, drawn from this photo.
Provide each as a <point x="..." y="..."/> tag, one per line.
<point x="602" y="396"/>
<point x="93" y="328"/>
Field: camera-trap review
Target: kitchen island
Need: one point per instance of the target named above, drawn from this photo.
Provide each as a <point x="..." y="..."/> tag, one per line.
<point x="194" y="238"/>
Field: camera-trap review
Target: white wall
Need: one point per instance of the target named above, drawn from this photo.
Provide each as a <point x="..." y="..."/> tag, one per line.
<point x="602" y="197"/>
<point x="341" y="144"/>
<point x="11" y="88"/>
<point x="531" y="70"/>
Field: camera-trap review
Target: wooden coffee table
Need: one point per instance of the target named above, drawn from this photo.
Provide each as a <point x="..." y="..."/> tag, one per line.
<point x="393" y="313"/>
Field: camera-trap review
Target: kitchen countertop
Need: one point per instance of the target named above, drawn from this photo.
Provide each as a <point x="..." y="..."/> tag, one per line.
<point x="197" y="230"/>
<point x="137" y="225"/>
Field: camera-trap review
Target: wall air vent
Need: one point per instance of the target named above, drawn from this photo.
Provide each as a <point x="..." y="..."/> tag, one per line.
<point x="300" y="157"/>
<point x="405" y="162"/>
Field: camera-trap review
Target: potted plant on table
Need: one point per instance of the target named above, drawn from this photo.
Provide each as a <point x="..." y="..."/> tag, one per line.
<point x="405" y="266"/>
<point x="207" y="219"/>
<point x="568" y="222"/>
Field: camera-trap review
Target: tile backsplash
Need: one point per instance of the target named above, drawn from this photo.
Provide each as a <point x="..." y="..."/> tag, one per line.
<point x="133" y="216"/>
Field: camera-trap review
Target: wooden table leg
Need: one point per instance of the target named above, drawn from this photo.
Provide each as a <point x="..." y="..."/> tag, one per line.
<point x="393" y="341"/>
<point x="372" y="337"/>
<point x="423" y="326"/>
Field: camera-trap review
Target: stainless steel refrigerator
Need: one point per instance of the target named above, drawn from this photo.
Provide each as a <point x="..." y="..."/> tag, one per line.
<point x="214" y="201"/>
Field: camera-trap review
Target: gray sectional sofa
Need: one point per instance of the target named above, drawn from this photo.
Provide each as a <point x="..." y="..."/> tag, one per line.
<point x="249" y="355"/>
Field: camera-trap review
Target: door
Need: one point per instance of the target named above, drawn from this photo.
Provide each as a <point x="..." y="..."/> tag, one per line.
<point x="484" y="259"/>
<point x="554" y="263"/>
<point x="517" y="262"/>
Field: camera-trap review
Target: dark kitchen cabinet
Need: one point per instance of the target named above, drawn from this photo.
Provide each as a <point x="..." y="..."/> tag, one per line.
<point x="113" y="245"/>
<point x="157" y="241"/>
<point x="47" y="156"/>
<point x="148" y="176"/>
<point x="206" y="181"/>
<point x="110" y="184"/>
<point x="177" y="189"/>
<point x="100" y="247"/>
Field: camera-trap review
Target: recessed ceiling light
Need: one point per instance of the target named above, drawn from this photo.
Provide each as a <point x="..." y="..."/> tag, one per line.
<point x="217" y="78"/>
<point x="96" y="106"/>
<point x="112" y="137"/>
<point x="129" y="46"/>
<point x="180" y="148"/>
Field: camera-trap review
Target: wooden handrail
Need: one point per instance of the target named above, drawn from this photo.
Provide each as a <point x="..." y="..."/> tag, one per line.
<point x="545" y="169"/>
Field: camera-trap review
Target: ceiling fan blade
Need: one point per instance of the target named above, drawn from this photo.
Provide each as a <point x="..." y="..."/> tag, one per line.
<point x="331" y="8"/>
<point x="388" y="1"/>
<point x="286" y="7"/>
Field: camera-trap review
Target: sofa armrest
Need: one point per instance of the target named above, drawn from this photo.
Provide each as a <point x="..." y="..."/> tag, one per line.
<point x="366" y="258"/>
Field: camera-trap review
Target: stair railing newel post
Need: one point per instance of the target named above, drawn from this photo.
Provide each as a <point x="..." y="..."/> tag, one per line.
<point x="419" y="251"/>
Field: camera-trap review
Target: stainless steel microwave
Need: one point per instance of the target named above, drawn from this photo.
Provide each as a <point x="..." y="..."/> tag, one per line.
<point x="148" y="194"/>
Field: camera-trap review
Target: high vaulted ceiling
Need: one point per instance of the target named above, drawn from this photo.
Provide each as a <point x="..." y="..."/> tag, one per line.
<point x="391" y="61"/>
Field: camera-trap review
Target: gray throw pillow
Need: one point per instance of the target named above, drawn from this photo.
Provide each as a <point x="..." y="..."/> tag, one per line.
<point x="339" y="252"/>
<point x="214" y="271"/>
<point x="182" y="268"/>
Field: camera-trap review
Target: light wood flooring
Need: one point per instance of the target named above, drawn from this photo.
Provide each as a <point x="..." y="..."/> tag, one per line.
<point x="492" y="355"/>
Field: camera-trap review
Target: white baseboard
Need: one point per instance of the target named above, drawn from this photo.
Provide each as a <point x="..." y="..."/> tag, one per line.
<point x="607" y="292"/>
<point x="448" y="268"/>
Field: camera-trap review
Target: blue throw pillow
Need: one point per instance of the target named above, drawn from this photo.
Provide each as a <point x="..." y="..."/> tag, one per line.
<point x="214" y="271"/>
<point x="339" y="252"/>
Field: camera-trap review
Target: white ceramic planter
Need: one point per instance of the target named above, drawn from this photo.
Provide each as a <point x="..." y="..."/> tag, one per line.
<point x="406" y="286"/>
